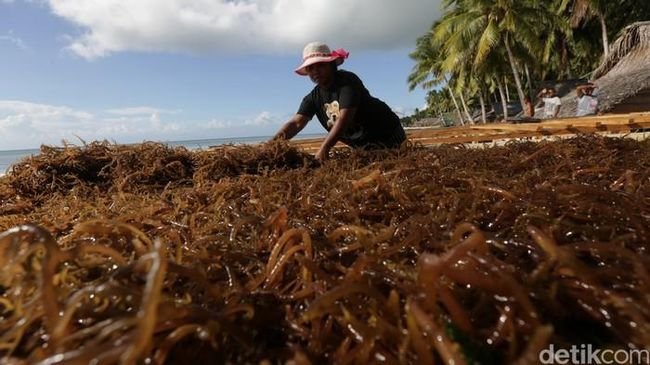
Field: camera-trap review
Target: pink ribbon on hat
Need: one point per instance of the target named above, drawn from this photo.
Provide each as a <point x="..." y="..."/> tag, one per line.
<point x="340" y="53"/>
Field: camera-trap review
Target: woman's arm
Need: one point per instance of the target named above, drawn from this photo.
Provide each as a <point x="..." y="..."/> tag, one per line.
<point x="345" y="119"/>
<point x="292" y="127"/>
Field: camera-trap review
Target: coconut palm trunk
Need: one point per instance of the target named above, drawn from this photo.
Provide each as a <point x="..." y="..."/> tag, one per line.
<point x="583" y="10"/>
<point x="482" y="101"/>
<point x="603" y="27"/>
<point x="453" y="98"/>
<point x="467" y="114"/>
<point x="530" y="83"/>
<point x="515" y="72"/>
<point x="504" y="101"/>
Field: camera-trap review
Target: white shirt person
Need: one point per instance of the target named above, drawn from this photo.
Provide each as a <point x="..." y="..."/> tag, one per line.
<point x="552" y="103"/>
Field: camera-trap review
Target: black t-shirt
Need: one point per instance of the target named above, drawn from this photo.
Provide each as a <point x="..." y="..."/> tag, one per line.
<point x="374" y="122"/>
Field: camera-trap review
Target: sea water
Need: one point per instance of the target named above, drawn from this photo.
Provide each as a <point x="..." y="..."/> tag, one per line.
<point x="7" y="158"/>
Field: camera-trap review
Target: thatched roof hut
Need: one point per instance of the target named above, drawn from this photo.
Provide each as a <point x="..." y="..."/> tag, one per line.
<point x="623" y="79"/>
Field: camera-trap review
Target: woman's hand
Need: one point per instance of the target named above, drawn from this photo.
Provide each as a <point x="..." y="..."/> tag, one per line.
<point x="291" y="127"/>
<point x="345" y="118"/>
<point x="322" y="155"/>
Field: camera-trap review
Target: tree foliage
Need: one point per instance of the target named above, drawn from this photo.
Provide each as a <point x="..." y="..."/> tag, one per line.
<point x="480" y="47"/>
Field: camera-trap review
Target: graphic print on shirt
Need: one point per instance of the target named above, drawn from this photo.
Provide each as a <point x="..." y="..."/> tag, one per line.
<point x="333" y="113"/>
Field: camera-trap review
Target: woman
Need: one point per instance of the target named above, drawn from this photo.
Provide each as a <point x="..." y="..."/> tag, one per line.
<point x="342" y="104"/>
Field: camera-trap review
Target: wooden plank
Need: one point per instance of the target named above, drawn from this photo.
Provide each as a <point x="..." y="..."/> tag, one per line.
<point x="610" y="119"/>
<point x="501" y="131"/>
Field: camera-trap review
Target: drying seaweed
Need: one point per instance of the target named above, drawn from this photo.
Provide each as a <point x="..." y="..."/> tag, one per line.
<point x="240" y="254"/>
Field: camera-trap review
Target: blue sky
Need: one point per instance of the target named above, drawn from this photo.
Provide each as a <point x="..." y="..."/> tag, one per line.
<point x="134" y="70"/>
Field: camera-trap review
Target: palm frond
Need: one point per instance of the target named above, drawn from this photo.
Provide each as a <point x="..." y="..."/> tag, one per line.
<point x="489" y="39"/>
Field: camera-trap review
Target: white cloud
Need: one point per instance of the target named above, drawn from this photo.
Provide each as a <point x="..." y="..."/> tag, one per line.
<point x="11" y="38"/>
<point x="140" y="110"/>
<point x="264" y="118"/>
<point x="218" y="124"/>
<point x="13" y="108"/>
<point x="27" y="125"/>
<point x="24" y="124"/>
<point x="155" y="119"/>
<point x="244" y="26"/>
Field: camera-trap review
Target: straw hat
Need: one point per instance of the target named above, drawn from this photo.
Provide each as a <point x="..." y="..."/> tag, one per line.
<point x="316" y="52"/>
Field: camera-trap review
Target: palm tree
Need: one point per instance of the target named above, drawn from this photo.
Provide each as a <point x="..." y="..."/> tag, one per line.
<point x="583" y="10"/>
<point x="439" y="102"/>
<point x="478" y="87"/>
<point x="558" y="42"/>
<point x="480" y="28"/>
<point x="427" y="70"/>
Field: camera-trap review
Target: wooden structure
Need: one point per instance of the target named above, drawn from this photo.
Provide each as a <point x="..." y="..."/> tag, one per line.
<point x="485" y="133"/>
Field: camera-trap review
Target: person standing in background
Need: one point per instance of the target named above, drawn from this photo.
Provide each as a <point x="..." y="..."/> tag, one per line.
<point x="552" y="102"/>
<point x="587" y="101"/>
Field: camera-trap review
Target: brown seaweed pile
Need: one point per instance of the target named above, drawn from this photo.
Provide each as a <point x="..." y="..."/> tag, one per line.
<point x="151" y="254"/>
